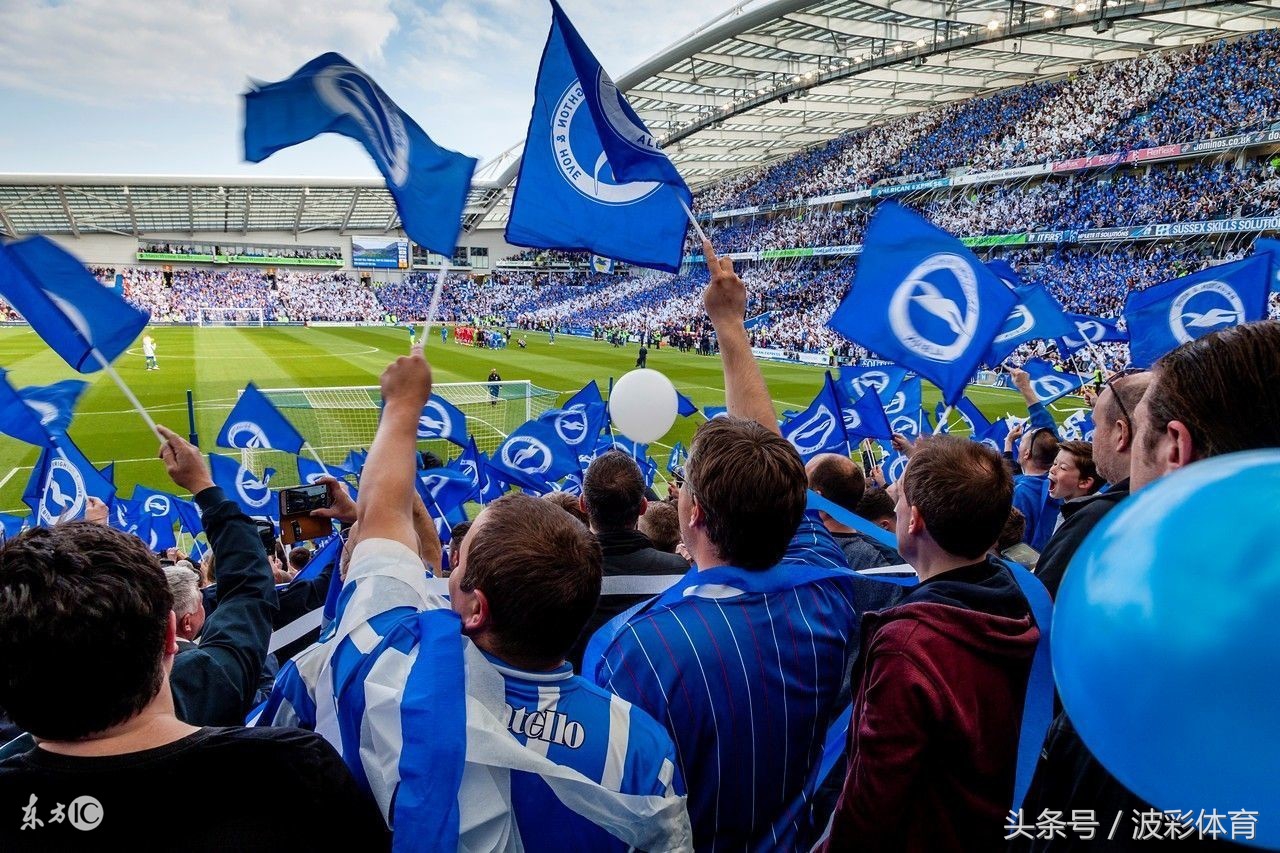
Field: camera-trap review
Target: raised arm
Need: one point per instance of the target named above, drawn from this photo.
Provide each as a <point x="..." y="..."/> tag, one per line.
<point x="725" y="300"/>
<point x="385" y="508"/>
<point x="1039" y="414"/>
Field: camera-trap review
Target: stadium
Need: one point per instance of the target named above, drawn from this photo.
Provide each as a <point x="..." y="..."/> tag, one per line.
<point x="1070" y="163"/>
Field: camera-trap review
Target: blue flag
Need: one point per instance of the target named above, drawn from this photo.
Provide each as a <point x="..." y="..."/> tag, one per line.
<point x="354" y="461"/>
<point x="623" y="444"/>
<point x="325" y="555"/>
<point x="685" y="406"/>
<point x="994" y="435"/>
<point x="65" y="305"/>
<point x="442" y="419"/>
<point x="1168" y="315"/>
<point x="534" y="456"/>
<point x="330" y="95"/>
<point x="819" y="428"/>
<point x="14" y="524"/>
<point x="893" y="464"/>
<point x="1089" y="330"/>
<point x="159" y="505"/>
<point x="189" y="517"/>
<point x="676" y="458"/>
<point x="446" y="488"/>
<point x="246" y="488"/>
<point x="1271" y="248"/>
<point x="923" y="300"/>
<point x="132" y="517"/>
<point x="974" y="420"/>
<point x="589" y="393"/>
<point x="864" y="416"/>
<point x="592" y="177"/>
<point x="712" y="412"/>
<point x="38" y="412"/>
<point x="1036" y="317"/>
<point x="61" y="484"/>
<point x="310" y="472"/>
<point x="1049" y="384"/>
<point x="578" y="426"/>
<point x="883" y="381"/>
<point x="255" y="423"/>
<point x="475" y="465"/>
<point x="904" y="409"/>
<point x="1077" y="426"/>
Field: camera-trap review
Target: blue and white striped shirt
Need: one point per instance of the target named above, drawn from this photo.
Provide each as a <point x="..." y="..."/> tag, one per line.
<point x="745" y="670"/>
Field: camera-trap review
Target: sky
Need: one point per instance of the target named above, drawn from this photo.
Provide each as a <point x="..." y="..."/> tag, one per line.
<point x="147" y="87"/>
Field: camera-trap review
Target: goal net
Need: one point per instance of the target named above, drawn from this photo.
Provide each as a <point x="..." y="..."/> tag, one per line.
<point x="336" y="420"/>
<point x="230" y="317"/>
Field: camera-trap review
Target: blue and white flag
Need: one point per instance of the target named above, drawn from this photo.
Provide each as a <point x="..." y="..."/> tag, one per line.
<point x="534" y="456"/>
<point x="973" y="419"/>
<point x="864" y="415"/>
<point x="36" y="413"/>
<point x="1049" y="384"/>
<point x="330" y="95"/>
<point x="65" y="305"/>
<point x="592" y="177"/>
<point x="684" y="406"/>
<point x="883" y="381"/>
<point x="994" y="435"/>
<point x="588" y="394"/>
<point x="1164" y="317"/>
<point x="354" y="461"/>
<point x="892" y="465"/>
<point x="713" y="412"/>
<point x="442" y="419"/>
<point x="189" y="517"/>
<point x="1077" y="426"/>
<point x="676" y="458"/>
<point x="904" y="408"/>
<point x="604" y="266"/>
<point x="1089" y="330"/>
<point x="475" y="465"/>
<point x="1036" y="317"/>
<point x="921" y="299"/>
<point x="14" y="524"/>
<point x="326" y="554"/>
<point x="159" y="505"/>
<point x="256" y="424"/>
<point x="132" y="517"/>
<point x="579" y="426"/>
<point x="251" y="492"/>
<point x="446" y="488"/>
<point x="819" y="428"/>
<point x="611" y="441"/>
<point x="1271" y="248"/>
<point x="61" y="484"/>
<point x="311" y="472"/>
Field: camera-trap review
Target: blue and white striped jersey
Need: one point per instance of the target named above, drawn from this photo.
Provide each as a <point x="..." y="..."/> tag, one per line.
<point x="551" y="761"/>
<point x="745" y="670"/>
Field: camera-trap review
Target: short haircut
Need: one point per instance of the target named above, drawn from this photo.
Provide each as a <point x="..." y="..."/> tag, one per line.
<point x="568" y="503"/>
<point x="838" y="479"/>
<point x="1129" y="390"/>
<point x="1044" y="447"/>
<point x="84" y="611"/>
<point x="613" y="489"/>
<point x="540" y="570"/>
<point x="1015" y="529"/>
<point x="1082" y="452"/>
<point x="750" y="484"/>
<point x="456" y="534"/>
<point x="875" y="505"/>
<point x="298" y="558"/>
<point x="184" y="589"/>
<point x="963" y="491"/>
<point x="661" y="523"/>
<point x="1205" y="382"/>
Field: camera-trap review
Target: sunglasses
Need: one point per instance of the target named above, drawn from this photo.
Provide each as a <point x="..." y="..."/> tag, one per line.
<point x="1111" y="383"/>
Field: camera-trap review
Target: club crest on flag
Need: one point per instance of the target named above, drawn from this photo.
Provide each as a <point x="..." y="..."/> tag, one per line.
<point x="581" y="157"/>
<point x="1053" y="386"/>
<point x="1204" y="307"/>
<point x="903" y="425"/>
<point x="934" y="312"/>
<point x="815" y="432"/>
<point x="348" y="91"/>
<point x="1019" y="322"/>
<point x="526" y="453"/>
<point x="247" y="434"/>
<point x="65" y="493"/>
<point x="253" y="490"/>
<point x="871" y="380"/>
<point x="571" y="425"/>
<point x="158" y="505"/>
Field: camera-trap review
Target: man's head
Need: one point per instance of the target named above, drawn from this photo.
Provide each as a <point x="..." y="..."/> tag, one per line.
<point x="661" y="523"/>
<point x="1037" y="451"/>
<point x="743" y="495"/>
<point x="1073" y="474"/>
<point x="838" y="479"/>
<point x="1113" y="424"/>
<point x="1214" y="395"/>
<point x="876" y="506"/>
<point x="86" y="630"/>
<point x="188" y="607"/>
<point x="298" y="559"/>
<point x="613" y="492"/>
<point x="457" y="534"/>
<point x="569" y="504"/>
<point x="953" y="500"/>
<point x="527" y="579"/>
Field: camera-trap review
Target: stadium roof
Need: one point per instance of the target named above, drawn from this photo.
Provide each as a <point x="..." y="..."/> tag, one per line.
<point x="759" y="82"/>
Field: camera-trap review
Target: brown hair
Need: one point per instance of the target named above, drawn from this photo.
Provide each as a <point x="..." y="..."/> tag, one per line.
<point x="963" y="491"/>
<point x="540" y="570"/>
<point x="83" y="615"/>
<point x="1043" y="448"/>
<point x="1082" y="452"/>
<point x="1204" y="384"/>
<point x="613" y="489"/>
<point x="875" y="505"/>
<point x="568" y="503"/>
<point x="750" y="484"/>
<point x="661" y="523"/>
<point x="838" y="479"/>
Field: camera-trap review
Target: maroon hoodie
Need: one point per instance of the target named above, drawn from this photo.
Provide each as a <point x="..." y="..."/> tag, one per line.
<point x="933" y="743"/>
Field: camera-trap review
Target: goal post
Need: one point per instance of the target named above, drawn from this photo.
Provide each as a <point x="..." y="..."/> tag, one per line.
<point x="338" y="419"/>
<point x="230" y="317"/>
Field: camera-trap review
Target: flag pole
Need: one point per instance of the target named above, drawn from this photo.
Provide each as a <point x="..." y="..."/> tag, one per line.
<point x="316" y="456"/>
<point x="435" y="302"/>
<point x="692" y="221"/>
<point x="943" y="420"/>
<point x="110" y="370"/>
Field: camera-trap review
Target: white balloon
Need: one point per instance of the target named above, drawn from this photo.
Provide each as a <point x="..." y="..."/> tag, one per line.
<point x="643" y="405"/>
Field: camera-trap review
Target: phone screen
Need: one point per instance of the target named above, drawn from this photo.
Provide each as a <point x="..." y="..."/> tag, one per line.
<point x="304" y="499"/>
<point x="267" y="533"/>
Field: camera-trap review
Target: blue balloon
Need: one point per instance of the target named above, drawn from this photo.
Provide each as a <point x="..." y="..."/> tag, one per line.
<point x="1166" y="641"/>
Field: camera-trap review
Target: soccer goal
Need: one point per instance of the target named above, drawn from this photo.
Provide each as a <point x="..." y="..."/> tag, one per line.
<point x="230" y="317"/>
<point x="336" y="420"/>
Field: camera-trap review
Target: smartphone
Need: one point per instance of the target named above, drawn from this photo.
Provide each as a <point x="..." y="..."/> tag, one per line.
<point x="303" y="499"/>
<point x="267" y="533"/>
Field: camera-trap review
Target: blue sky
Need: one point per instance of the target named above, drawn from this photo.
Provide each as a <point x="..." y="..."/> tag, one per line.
<point x="153" y="86"/>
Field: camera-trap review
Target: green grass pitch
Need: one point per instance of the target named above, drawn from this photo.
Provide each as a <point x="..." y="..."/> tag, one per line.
<point x="215" y="363"/>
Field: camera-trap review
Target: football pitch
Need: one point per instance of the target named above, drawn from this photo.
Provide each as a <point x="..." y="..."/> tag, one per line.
<point x="216" y="363"/>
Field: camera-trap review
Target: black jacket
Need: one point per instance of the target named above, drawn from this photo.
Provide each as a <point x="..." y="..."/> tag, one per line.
<point x="1079" y="517"/>
<point x="626" y="552"/>
<point x="214" y="683"/>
